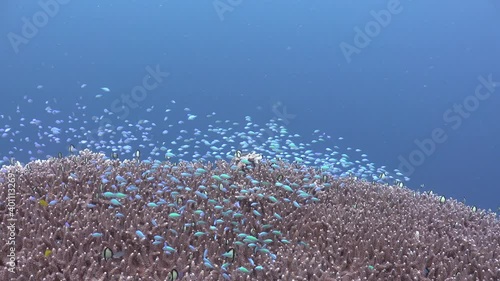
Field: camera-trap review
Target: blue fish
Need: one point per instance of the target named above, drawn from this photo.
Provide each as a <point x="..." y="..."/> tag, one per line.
<point x="202" y="195"/>
<point x="132" y="188"/>
<point x="140" y="234"/>
<point x="108" y="194"/>
<point x="115" y="202"/>
<point x="120" y="179"/>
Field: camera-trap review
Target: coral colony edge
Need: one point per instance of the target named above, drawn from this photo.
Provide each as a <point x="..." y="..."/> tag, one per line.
<point x="252" y="203"/>
<point x="87" y="217"/>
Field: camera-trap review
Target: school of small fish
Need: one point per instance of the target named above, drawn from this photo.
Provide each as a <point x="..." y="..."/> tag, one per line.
<point x="170" y="137"/>
<point x="176" y="195"/>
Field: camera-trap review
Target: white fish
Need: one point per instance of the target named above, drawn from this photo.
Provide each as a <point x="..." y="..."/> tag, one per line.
<point x="83" y="86"/>
<point x="39" y="87"/>
<point x="105" y="89"/>
<point x="98" y="96"/>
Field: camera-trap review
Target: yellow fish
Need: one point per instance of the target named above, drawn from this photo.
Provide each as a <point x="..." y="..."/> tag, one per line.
<point x="43" y="203"/>
<point x="47" y="253"/>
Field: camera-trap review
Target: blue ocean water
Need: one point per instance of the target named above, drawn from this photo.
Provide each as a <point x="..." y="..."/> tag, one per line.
<point x="404" y="81"/>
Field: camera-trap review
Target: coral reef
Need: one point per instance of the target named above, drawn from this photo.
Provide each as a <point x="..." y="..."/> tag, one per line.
<point x="87" y="217"/>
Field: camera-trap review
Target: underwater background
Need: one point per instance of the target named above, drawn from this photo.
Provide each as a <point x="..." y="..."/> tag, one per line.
<point x="385" y="76"/>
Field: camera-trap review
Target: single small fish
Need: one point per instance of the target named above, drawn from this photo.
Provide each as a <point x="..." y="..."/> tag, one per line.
<point x="173" y="275"/>
<point x="47" y="253"/>
<point x="43" y="203"/>
<point x="168" y="249"/>
<point x="115" y="202"/>
<point x="250" y="238"/>
<point x="276" y="232"/>
<point x="140" y="234"/>
<point x="201" y="194"/>
<point x="108" y="194"/>
<point x="120" y="179"/>
<point x="105" y="89"/>
<point x="243" y="269"/>
<point x="264" y="250"/>
<point x="119" y="254"/>
<point x="208" y="264"/>
<point x="225" y="265"/>
<point x="255" y="212"/>
<point x="96" y="234"/>
<point x="199" y="233"/>
<point x="132" y="188"/>
<point x="216" y="177"/>
<point x="174" y="215"/>
<point x="120" y="195"/>
<point x="107" y="253"/>
<point x="273" y="199"/>
<point x="230" y="254"/>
